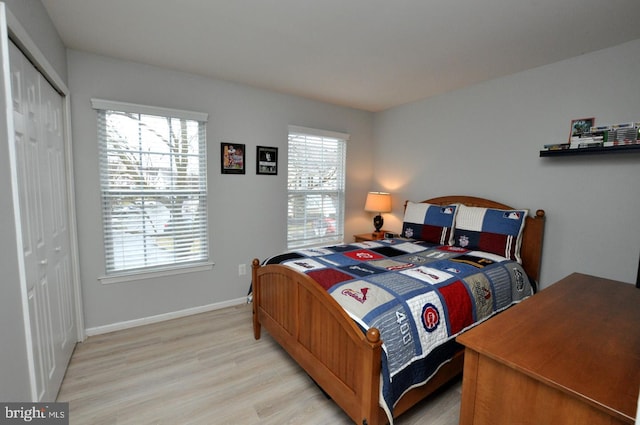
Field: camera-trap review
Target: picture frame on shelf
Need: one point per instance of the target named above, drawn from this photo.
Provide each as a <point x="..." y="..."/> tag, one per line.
<point x="232" y="158"/>
<point x="267" y="160"/>
<point x="581" y="126"/>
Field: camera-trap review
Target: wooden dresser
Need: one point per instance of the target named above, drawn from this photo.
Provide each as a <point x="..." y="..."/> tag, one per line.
<point x="568" y="355"/>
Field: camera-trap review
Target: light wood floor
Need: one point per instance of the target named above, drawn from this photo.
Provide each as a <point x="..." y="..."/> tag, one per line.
<point x="207" y="369"/>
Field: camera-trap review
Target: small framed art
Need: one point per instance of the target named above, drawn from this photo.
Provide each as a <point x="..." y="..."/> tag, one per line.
<point x="267" y="160"/>
<point x="232" y="158"/>
<point x="581" y="126"/>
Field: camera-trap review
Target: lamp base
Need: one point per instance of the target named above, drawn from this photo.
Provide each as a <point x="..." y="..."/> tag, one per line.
<point x="378" y="222"/>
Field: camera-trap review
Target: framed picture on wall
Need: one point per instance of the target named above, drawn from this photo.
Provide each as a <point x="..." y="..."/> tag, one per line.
<point x="267" y="160"/>
<point x="232" y="158"/>
<point x="581" y="126"/>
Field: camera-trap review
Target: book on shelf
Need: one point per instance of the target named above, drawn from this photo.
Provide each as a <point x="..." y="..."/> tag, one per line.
<point x="616" y="143"/>
<point x="556" y="146"/>
<point x="585" y="142"/>
<point x="589" y="145"/>
<point x="626" y="133"/>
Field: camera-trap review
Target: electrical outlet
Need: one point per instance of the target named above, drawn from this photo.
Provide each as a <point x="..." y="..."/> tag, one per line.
<point x="242" y="269"/>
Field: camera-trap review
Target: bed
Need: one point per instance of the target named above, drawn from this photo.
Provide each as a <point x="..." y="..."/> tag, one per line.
<point x="340" y="351"/>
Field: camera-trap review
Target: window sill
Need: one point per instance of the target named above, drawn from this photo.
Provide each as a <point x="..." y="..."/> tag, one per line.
<point x="140" y="275"/>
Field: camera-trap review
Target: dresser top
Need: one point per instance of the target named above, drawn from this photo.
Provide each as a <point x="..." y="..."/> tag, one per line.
<point x="581" y="335"/>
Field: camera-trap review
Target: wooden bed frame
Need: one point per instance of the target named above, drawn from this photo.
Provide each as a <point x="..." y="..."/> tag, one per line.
<point x="312" y="327"/>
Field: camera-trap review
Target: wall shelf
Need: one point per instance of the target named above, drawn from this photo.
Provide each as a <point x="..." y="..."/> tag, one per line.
<point x="592" y="151"/>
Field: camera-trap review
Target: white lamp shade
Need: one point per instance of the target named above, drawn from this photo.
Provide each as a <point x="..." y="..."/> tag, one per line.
<point x="379" y="202"/>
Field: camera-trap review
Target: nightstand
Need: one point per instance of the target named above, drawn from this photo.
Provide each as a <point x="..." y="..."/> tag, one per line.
<point x="373" y="236"/>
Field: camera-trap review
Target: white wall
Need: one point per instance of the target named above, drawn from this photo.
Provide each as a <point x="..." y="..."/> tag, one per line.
<point x="34" y="18"/>
<point x="484" y="140"/>
<point x="247" y="212"/>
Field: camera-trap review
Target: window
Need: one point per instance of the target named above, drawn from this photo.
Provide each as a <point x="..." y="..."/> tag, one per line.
<point x="315" y="187"/>
<point x="153" y="187"/>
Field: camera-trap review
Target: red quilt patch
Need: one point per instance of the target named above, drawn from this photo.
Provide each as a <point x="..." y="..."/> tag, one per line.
<point x="458" y="304"/>
<point x="328" y="277"/>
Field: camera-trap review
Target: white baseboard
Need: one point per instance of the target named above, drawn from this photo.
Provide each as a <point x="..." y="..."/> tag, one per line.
<point x="162" y="317"/>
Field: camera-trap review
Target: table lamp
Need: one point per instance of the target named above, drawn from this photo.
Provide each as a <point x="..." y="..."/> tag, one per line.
<point x="379" y="202"/>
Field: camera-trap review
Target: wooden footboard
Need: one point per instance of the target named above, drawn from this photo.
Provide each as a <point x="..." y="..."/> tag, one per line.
<point x="312" y="327"/>
<point x="317" y="333"/>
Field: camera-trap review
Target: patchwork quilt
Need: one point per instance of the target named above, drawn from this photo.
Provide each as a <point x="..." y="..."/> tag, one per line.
<point x="419" y="296"/>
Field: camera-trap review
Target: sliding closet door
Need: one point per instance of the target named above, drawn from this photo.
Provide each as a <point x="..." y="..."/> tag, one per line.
<point x="40" y="164"/>
<point x="59" y="273"/>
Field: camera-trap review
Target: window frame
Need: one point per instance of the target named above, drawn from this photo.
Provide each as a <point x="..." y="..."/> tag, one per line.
<point x="337" y="194"/>
<point x="174" y="265"/>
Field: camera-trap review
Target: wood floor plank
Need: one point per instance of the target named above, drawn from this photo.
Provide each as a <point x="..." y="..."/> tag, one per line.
<point x="207" y="369"/>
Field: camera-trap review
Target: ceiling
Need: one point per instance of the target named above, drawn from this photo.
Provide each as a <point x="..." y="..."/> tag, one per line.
<point x="366" y="54"/>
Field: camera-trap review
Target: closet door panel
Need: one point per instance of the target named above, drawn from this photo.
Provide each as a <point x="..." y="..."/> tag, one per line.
<point x="31" y="217"/>
<point x="57" y="236"/>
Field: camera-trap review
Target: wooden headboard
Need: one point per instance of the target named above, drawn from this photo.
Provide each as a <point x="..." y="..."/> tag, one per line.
<point x="531" y="249"/>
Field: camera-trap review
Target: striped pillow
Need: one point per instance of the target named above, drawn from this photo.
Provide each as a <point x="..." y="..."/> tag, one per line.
<point x="428" y="222"/>
<point x="490" y="230"/>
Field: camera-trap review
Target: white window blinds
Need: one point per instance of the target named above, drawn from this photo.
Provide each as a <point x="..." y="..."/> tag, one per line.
<point x="315" y="187"/>
<point x="153" y="186"/>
